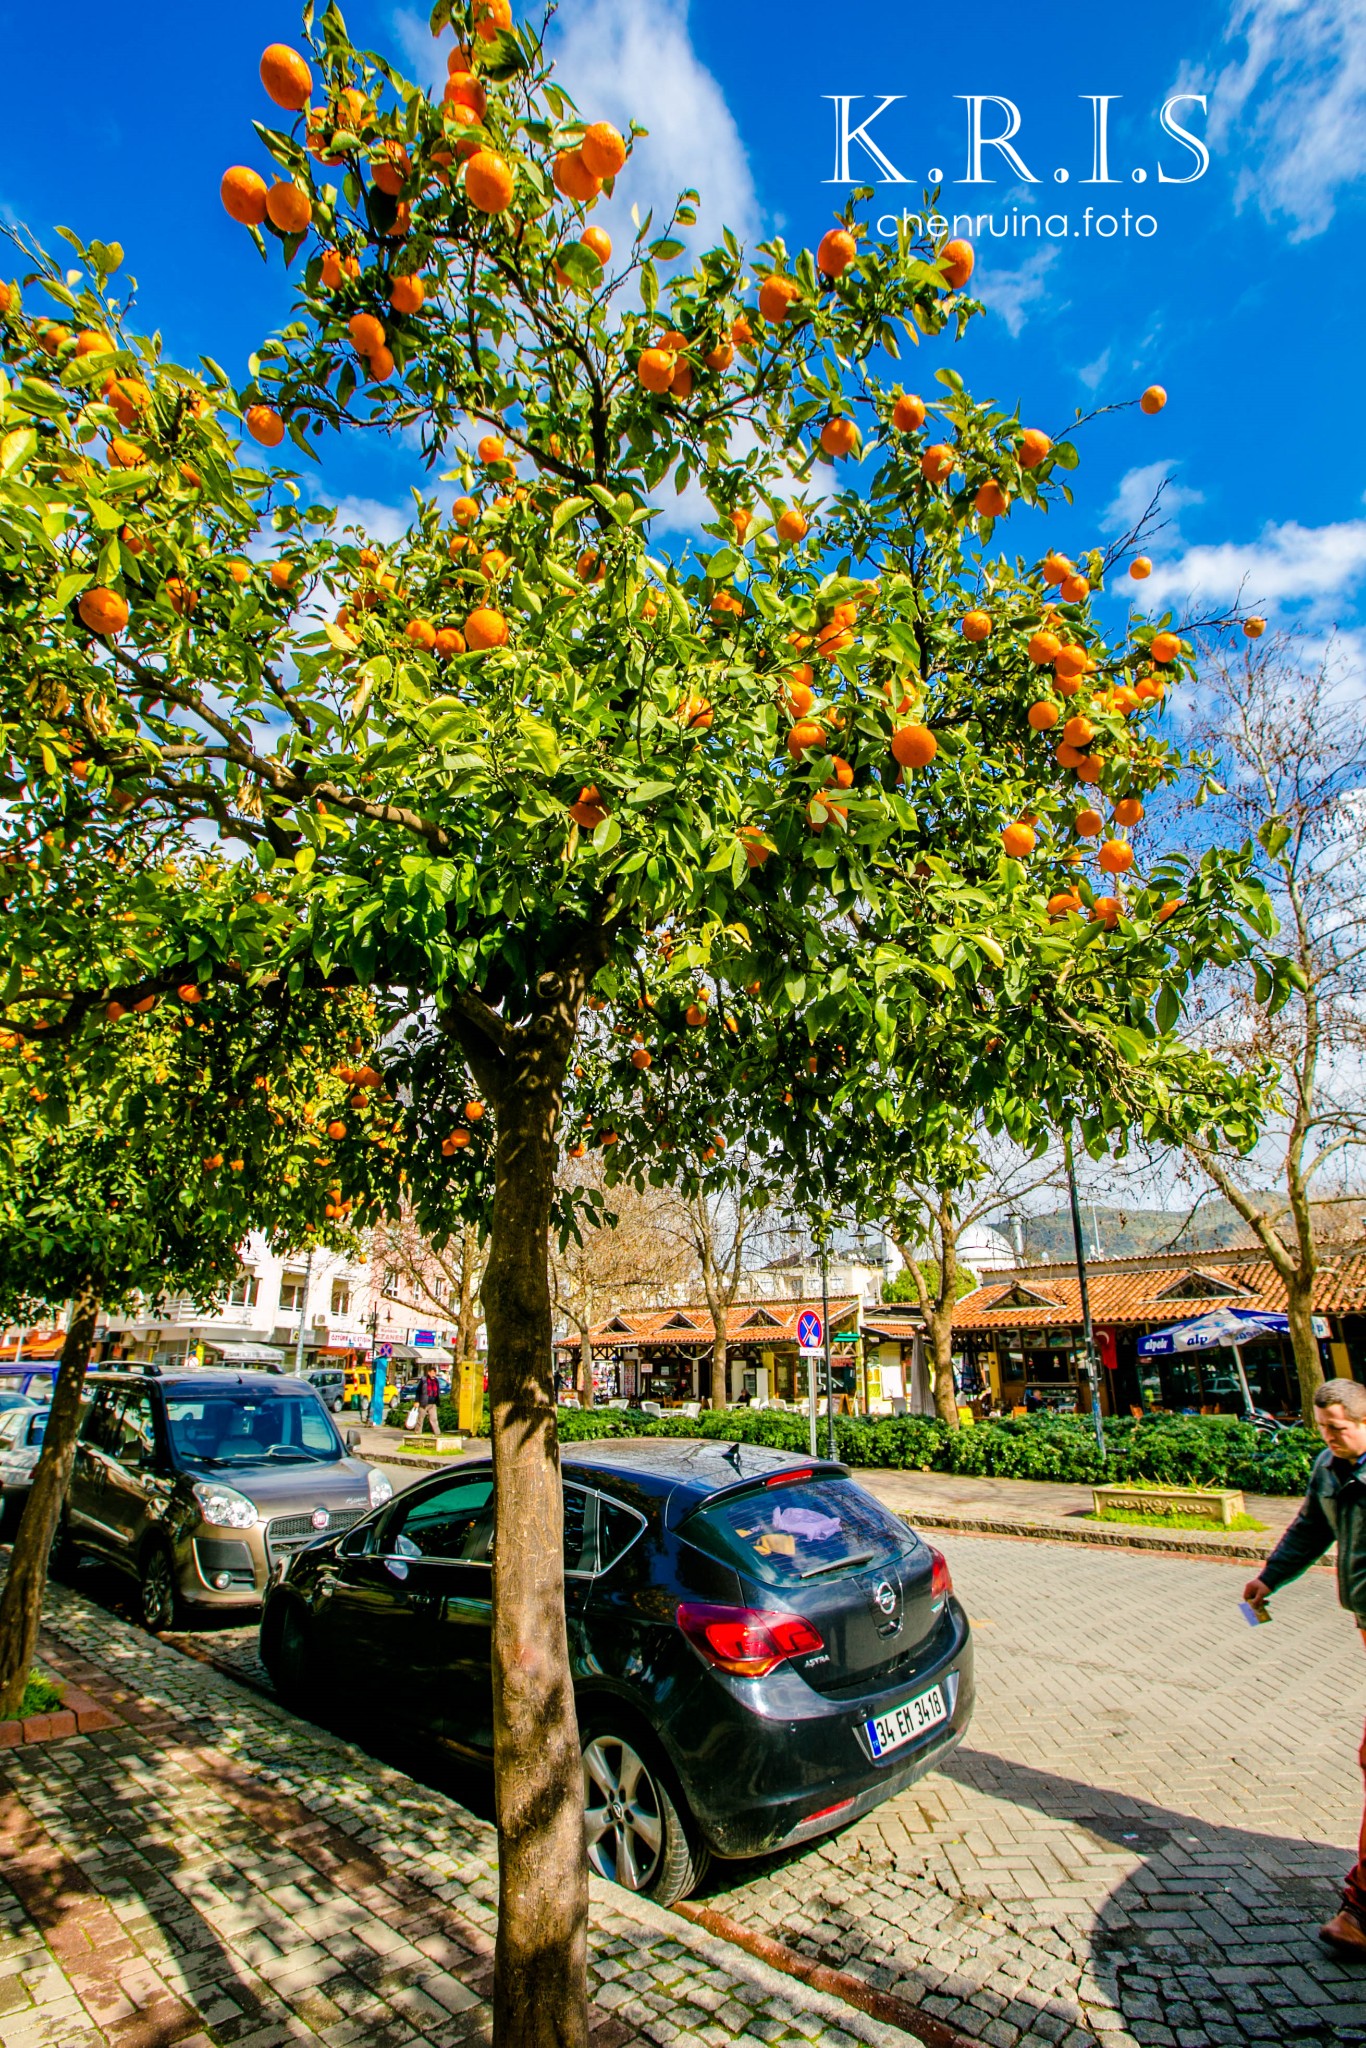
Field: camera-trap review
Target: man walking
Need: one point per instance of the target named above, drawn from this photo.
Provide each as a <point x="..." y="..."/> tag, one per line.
<point x="1334" y="1510"/>
<point x="428" y="1396"/>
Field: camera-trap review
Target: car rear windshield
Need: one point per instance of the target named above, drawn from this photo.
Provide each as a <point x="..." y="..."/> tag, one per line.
<point x="251" y="1428"/>
<point x="806" y="1529"/>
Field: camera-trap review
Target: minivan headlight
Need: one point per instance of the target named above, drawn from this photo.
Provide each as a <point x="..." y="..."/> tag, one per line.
<point x="381" y="1487"/>
<point x="223" y="1507"/>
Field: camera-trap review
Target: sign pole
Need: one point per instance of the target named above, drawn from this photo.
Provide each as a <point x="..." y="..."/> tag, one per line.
<point x="811" y="1357"/>
<point x="829" y="1374"/>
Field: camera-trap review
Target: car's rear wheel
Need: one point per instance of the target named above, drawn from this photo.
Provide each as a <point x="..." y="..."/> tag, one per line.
<point x="157" y="1589"/>
<point x="637" y="1835"/>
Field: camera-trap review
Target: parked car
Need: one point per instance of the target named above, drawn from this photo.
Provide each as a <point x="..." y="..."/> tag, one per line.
<point x="330" y="1381"/>
<point x="26" y="1383"/>
<point x="761" y="1652"/>
<point x="199" y="1482"/>
<point x="21" y="1439"/>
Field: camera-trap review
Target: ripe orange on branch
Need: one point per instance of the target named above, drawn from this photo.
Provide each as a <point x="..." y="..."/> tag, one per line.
<point x="572" y="177"/>
<point x="1019" y="840"/>
<point x="286" y="77"/>
<point x="288" y="208"/>
<point x="836" y="251"/>
<point x="976" y="625"/>
<point x="243" y="194"/>
<point x="603" y="150"/>
<point x="103" y="611"/>
<point x="958" y="258"/>
<point x="1140" y="567"/>
<point x="264" y="424"/>
<point x="937" y="462"/>
<point x="488" y="182"/>
<point x="485" y="628"/>
<point x="1044" y="715"/>
<point x="1034" y="446"/>
<point x="839" y="436"/>
<point x="908" y="414"/>
<point x="914" y="746"/>
<point x="776" y="296"/>
<point x="1153" y="399"/>
<point x="1165" y="647"/>
<point x="792" y="524"/>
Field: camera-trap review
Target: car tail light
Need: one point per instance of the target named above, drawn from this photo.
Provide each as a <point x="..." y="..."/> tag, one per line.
<point x="941" y="1579"/>
<point x="788" y="1478"/>
<point x="749" y="1642"/>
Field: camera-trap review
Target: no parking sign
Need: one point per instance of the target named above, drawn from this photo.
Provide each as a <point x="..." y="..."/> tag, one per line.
<point x="810" y="1331"/>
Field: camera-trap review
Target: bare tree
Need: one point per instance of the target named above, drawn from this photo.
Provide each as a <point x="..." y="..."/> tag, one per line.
<point x="972" y="1179"/>
<point x="718" y="1228"/>
<point x="443" y="1281"/>
<point x="630" y="1257"/>
<point x="1290" y="746"/>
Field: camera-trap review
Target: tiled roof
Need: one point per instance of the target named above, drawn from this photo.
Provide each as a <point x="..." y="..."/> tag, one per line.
<point x="765" y="1322"/>
<point x="1155" y="1291"/>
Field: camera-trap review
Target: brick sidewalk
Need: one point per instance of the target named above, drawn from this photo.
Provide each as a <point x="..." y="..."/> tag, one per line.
<point x="214" y="1871"/>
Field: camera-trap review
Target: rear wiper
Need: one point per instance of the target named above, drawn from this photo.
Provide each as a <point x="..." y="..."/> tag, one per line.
<point x="836" y="1564"/>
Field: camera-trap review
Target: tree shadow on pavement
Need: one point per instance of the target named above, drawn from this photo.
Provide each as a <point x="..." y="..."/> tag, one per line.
<point x="1115" y="1913"/>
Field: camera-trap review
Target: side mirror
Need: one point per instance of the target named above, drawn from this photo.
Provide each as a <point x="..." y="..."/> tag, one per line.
<point x="353" y="1439"/>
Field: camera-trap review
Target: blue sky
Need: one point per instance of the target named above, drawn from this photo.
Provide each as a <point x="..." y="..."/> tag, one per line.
<point x="1245" y="298"/>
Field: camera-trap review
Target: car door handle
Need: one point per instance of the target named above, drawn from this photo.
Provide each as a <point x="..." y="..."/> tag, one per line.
<point x="459" y="1607"/>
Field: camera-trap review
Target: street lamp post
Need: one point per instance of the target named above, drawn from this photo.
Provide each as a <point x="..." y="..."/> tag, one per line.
<point x="303" y="1311"/>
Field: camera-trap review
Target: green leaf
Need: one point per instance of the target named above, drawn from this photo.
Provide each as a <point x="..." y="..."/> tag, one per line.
<point x="569" y="509"/>
<point x="16" y="448"/>
<point x="580" y="266"/>
<point x="304" y="858"/>
<point x="606" y="835"/>
<point x="1168" y="1008"/>
<point x="1065" y="455"/>
<point x="544" y="746"/>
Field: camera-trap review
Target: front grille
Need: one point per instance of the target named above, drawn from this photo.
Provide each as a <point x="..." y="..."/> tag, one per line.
<point x="288" y="1533"/>
<point x="215" y="1554"/>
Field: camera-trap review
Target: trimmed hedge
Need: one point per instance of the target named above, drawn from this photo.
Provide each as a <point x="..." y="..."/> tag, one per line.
<point x="1173" y="1450"/>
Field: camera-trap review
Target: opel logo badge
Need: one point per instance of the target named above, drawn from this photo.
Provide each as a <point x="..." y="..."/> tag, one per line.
<point x="885" y="1597"/>
<point x="320" y="1518"/>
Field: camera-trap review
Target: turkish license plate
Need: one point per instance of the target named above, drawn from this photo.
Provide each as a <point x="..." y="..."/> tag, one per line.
<point x="904" y="1723"/>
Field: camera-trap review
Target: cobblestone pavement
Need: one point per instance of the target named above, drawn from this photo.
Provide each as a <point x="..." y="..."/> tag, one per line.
<point x="215" y="1872"/>
<point x="1150" y="1817"/>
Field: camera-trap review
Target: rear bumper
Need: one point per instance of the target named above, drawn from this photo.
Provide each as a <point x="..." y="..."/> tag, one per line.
<point x="782" y="1764"/>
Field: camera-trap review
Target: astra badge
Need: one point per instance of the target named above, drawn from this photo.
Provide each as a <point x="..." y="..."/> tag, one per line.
<point x="885" y="1596"/>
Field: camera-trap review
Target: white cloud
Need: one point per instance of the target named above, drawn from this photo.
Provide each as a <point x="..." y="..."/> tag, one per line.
<point x="1295" y="106"/>
<point x="1137" y="488"/>
<point x="1289" y="562"/>
<point x="621" y="61"/>
<point x="1012" y="292"/>
<point x="377" y="520"/>
<point x="1092" y="373"/>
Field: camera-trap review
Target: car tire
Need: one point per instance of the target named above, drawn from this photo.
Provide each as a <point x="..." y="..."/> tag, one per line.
<point x="637" y="1834"/>
<point x="158" y="1600"/>
<point x="287" y="1653"/>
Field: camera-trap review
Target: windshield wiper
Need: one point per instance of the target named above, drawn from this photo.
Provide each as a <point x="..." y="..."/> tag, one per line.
<point x="295" y="1451"/>
<point x="836" y="1564"/>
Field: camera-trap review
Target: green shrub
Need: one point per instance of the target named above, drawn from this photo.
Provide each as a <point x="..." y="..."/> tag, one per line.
<point x="41" y="1696"/>
<point x="1175" y="1450"/>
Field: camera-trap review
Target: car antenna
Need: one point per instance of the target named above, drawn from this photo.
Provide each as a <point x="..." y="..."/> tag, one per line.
<point x="733" y="1454"/>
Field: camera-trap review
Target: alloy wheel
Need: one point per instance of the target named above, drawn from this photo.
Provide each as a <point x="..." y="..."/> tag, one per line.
<point x="622" y="1813"/>
<point x="158" y="1591"/>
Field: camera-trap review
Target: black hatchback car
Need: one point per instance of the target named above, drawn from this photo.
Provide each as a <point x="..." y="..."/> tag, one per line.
<point x="761" y="1651"/>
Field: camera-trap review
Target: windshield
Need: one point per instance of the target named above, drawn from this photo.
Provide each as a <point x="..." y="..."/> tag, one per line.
<point x="250" y="1429"/>
<point x="804" y="1529"/>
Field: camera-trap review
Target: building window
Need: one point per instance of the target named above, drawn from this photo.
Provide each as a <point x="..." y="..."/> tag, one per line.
<point x="438" y="1290"/>
<point x="292" y="1293"/>
<point x="244" y="1292"/>
<point x="391" y="1280"/>
<point x="341" y="1298"/>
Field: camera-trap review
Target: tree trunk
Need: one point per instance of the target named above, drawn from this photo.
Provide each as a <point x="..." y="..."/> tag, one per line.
<point x="585" y="1386"/>
<point x="1299" y="1303"/>
<point x="540" y="1997"/>
<point x="939" y="1329"/>
<point x="21" y="1604"/>
<point x="720" y="1368"/>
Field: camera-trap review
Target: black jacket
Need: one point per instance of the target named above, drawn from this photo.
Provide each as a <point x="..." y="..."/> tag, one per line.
<point x="1334" y="1511"/>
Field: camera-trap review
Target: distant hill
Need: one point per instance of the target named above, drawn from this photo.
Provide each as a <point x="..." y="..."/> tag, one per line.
<point x="1133" y="1233"/>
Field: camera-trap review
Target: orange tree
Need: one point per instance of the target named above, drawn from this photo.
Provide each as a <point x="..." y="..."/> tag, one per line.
<point x="518" y="760"/>
<point x="141" y="1141"/>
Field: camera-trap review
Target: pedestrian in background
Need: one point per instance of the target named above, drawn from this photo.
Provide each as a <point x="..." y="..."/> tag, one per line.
<point x="1334" y="1511"/>
<point x="428" y="1399"/>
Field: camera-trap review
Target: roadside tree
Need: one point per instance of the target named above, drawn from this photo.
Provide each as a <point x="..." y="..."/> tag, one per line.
<point x="797" y="776"/>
